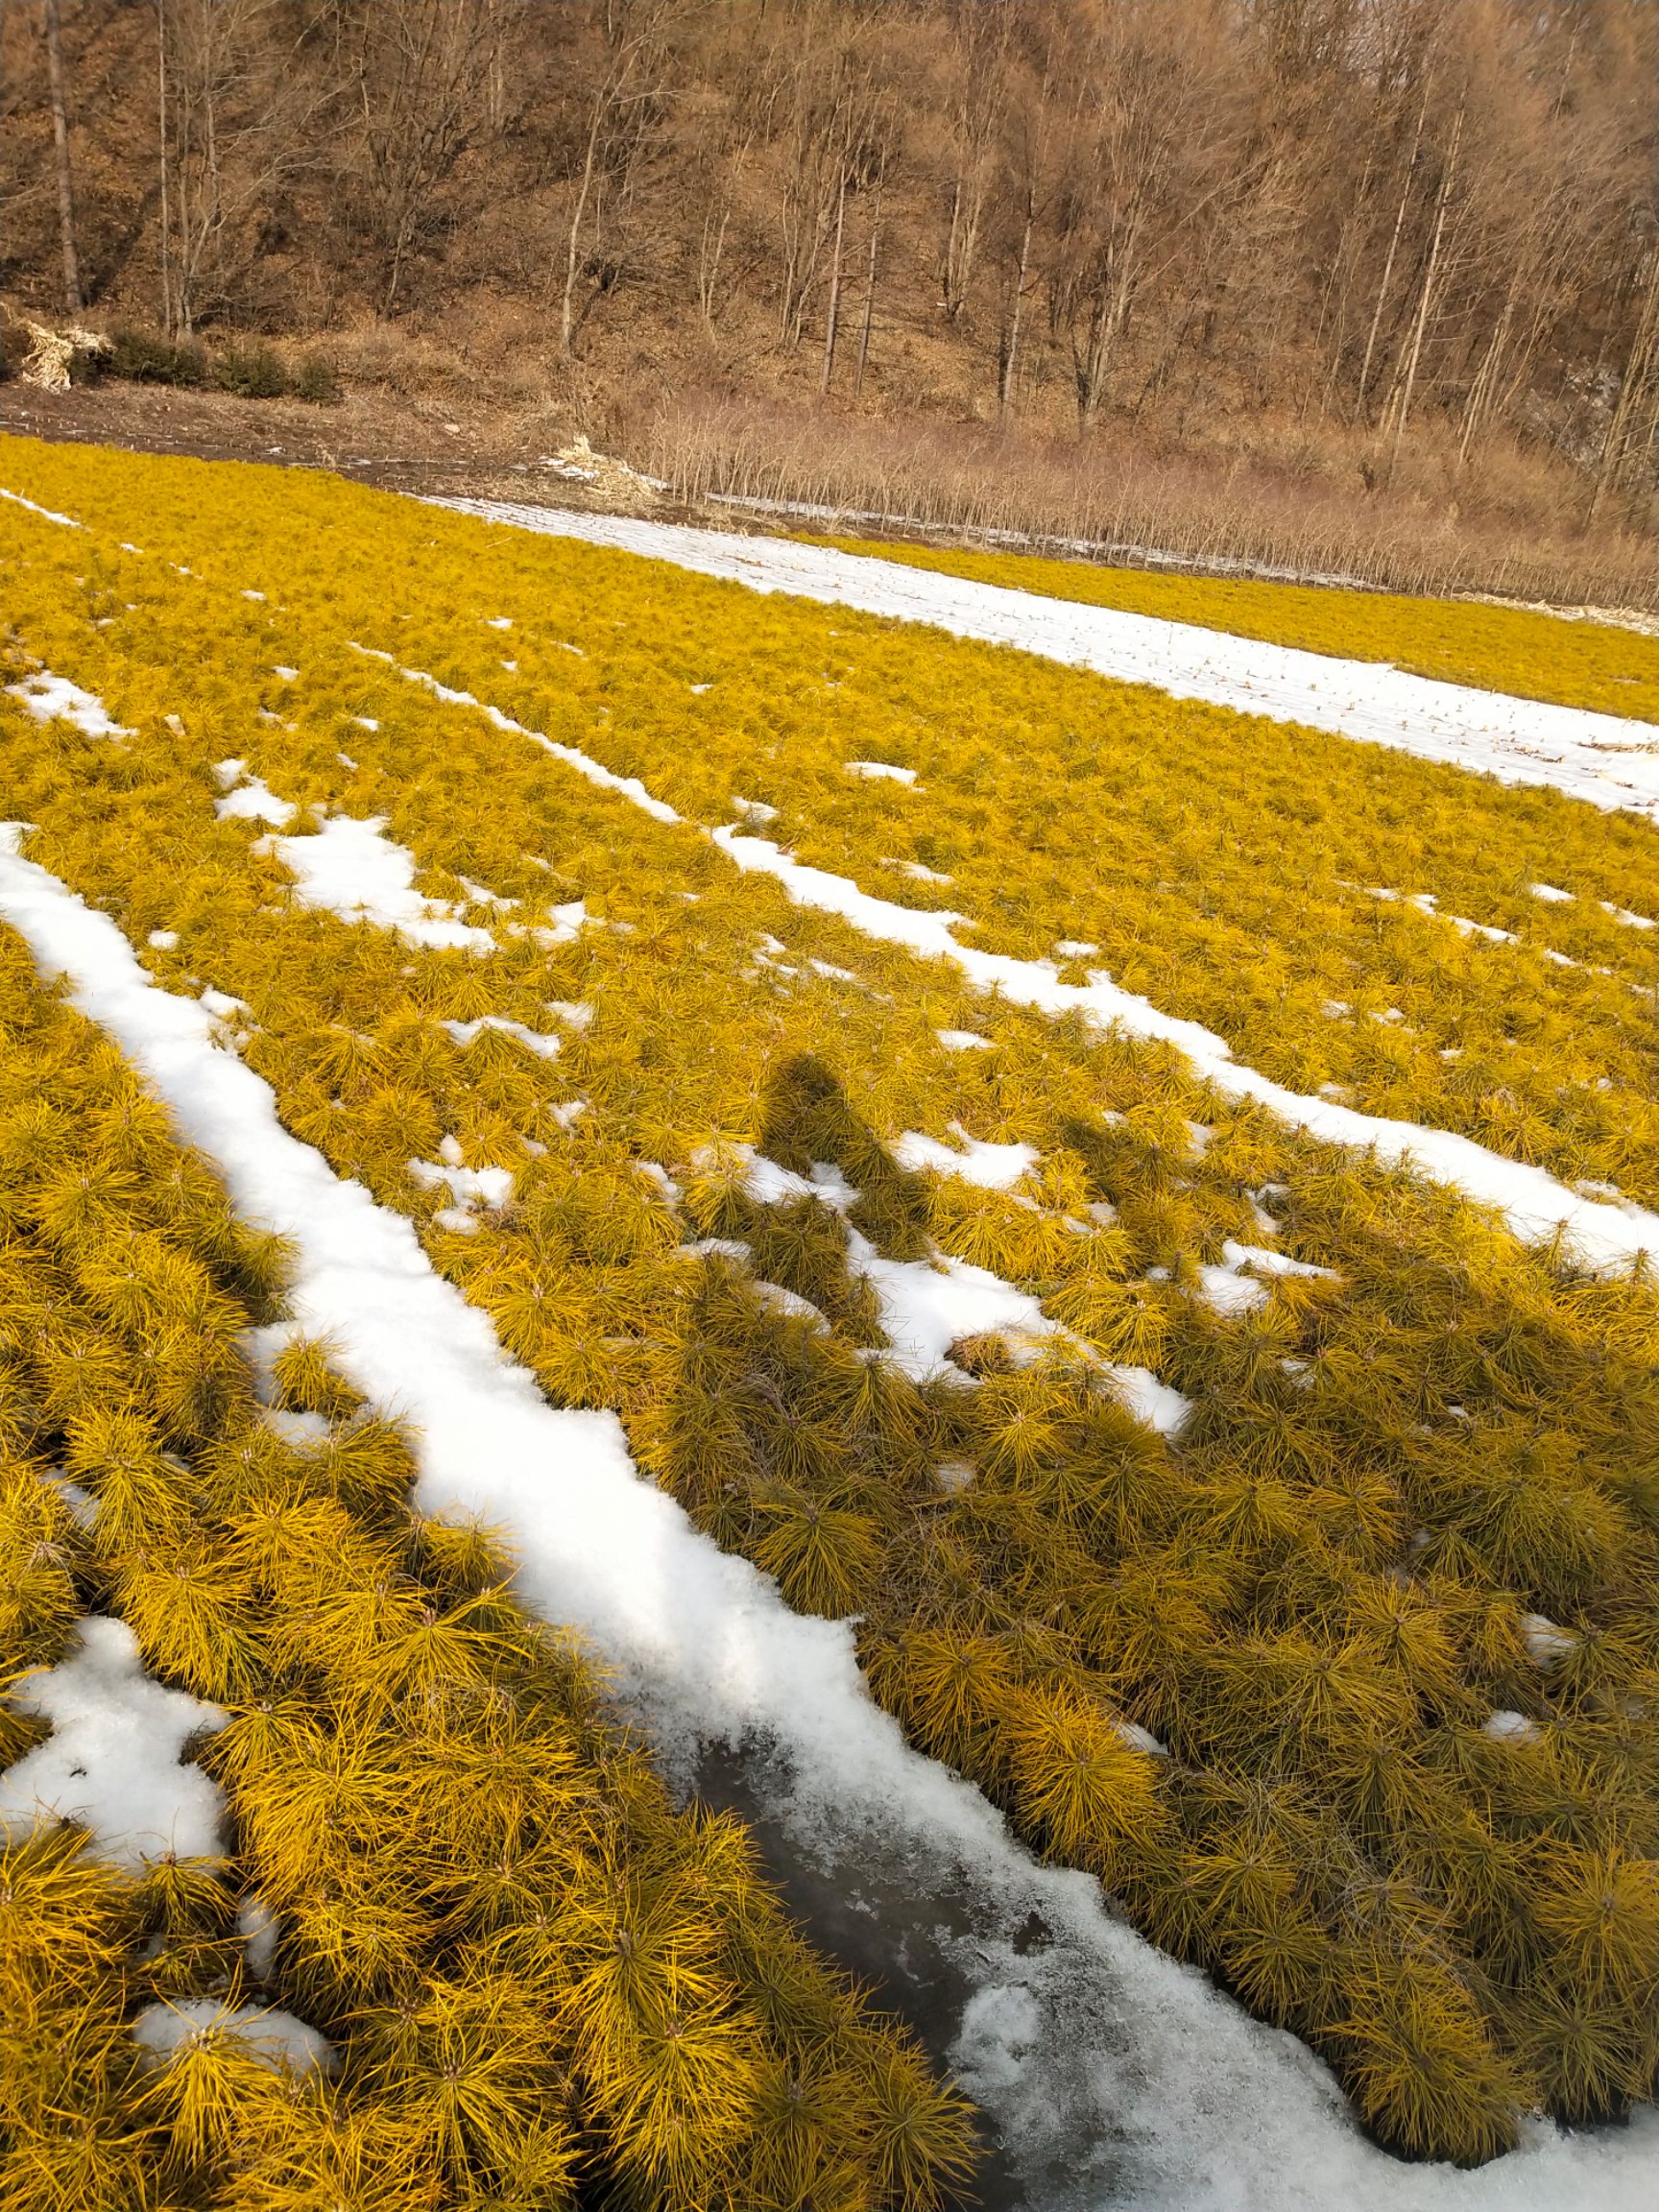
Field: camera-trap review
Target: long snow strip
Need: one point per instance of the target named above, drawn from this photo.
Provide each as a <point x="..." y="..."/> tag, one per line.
<point x="1598" y="1233"/>
<point x="1606" y="1235"/>
<point x="1116" y="2076"/>
<point x="1611" y="763"/>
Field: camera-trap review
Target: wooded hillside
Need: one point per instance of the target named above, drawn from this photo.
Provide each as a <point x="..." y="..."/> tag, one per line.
<point x="1397" y="249"/>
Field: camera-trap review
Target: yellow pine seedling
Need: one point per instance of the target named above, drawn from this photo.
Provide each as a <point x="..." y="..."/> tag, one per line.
<point x="113" y="1449"/>
<point x="807" y="2146"/>
<point x="991" y="1229"/>
<point x="367" y="1465"/>
<point x="312" y="2150"/>
<point x="1578" y="2045"/>
<point x="922" y="2138"/>
<point x="358" y="1934"/>
<point x="1600" y="1912"/>
<point x="203" y="2091"/>
<point x="465" y="2069"/>
<point x="63" y="1913"/>
<point x="465" y="1558"/>
<point x="80" y="1371"/>
<point x="1083" y="1788"/>
<point x="824" y="1556"/>
<point x="191" y="1611"/>
<point x="952" y="1690"/>
<point x="1424" y="2071"/>
<point x="80" y="1205"/>
<point x="38" y="1551"/>
<point x="680" y="2092"/>
<point x="322" y="1792"/>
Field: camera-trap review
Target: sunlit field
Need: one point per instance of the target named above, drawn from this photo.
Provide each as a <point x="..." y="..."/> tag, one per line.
<point x="1138" y="1208"/>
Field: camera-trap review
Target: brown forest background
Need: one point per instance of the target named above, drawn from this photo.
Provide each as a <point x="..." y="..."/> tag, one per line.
<point x="1371" y="284"/>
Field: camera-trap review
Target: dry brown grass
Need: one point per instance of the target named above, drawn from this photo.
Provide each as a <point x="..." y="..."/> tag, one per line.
<point x="1305" y="509"/>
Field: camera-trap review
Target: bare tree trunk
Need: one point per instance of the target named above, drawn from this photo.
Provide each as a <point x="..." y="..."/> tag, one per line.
<point x="166" y="181"/>
<point x="1388" y="258"/>
<point x="1008" y="354"/>
<point x="1415" y="351"/>
<point x="833" y="319"/>
<point x="567" y="318"/>
<point x="72" y="299"/>
<point x="1486" y="376"/>
<point x="1636" y="386"/>
<point x="869" y="298"/>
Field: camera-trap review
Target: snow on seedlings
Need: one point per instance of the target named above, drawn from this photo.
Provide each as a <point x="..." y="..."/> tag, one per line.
<point x="318" y="1811"/>
<point x="1252" y="1497"/>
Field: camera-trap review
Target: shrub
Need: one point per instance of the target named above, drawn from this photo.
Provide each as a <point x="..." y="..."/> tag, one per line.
<point x="142" y="358"/>
<point x="251" y="371"/>
<point x="316" y="381"/>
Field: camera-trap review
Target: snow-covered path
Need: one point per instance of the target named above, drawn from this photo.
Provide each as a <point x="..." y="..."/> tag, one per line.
<point x="1117" y="2077"/>
<point x="1611" y="763"/>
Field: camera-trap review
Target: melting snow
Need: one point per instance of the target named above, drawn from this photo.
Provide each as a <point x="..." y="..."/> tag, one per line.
<point x="275" y="2038"/>
<point x="46" y="513"/>
<point x="584" y="764"/>
<point x="248" y="799"/>
<point x="992" y="1167"/>
<point x="52" y="697"/>
<point x="534" y="1040"/>
<point x="112" y="1761"/>
<point x="351" y="869"/>
<point x="1532" y="1201"/>
<point x="1202" y="2108"/>
<point x="1517" y="740"/>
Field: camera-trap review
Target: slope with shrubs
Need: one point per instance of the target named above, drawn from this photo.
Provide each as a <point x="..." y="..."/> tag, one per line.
<point x="541" y="1982"/>
<point x="1346" y="1689"/>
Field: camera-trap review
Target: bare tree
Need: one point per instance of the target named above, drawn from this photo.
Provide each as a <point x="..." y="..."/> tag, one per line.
<point x="1149" y="158"/>
<point x="52" y="29"/>
<point x="424" y="78"/>
<point x="625" y="93"/>
<point x="236" y="107"/>
<point x="978" y="71"/>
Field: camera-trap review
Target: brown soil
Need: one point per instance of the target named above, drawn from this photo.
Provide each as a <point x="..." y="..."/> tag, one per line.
<point x="369" y="437"/>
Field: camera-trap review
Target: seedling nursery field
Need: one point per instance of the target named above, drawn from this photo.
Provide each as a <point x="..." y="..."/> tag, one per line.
<point x="825" y="1384"/>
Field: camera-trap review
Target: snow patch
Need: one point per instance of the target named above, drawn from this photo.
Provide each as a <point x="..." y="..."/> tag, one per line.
<point x="52" y="697"/>
<point x="112" y="1761"/>
<point x="992" y="1166"/>
<point x="1517" y="740"/>
<point x="275" y="2039"/>
<point x="349" y="868"/>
